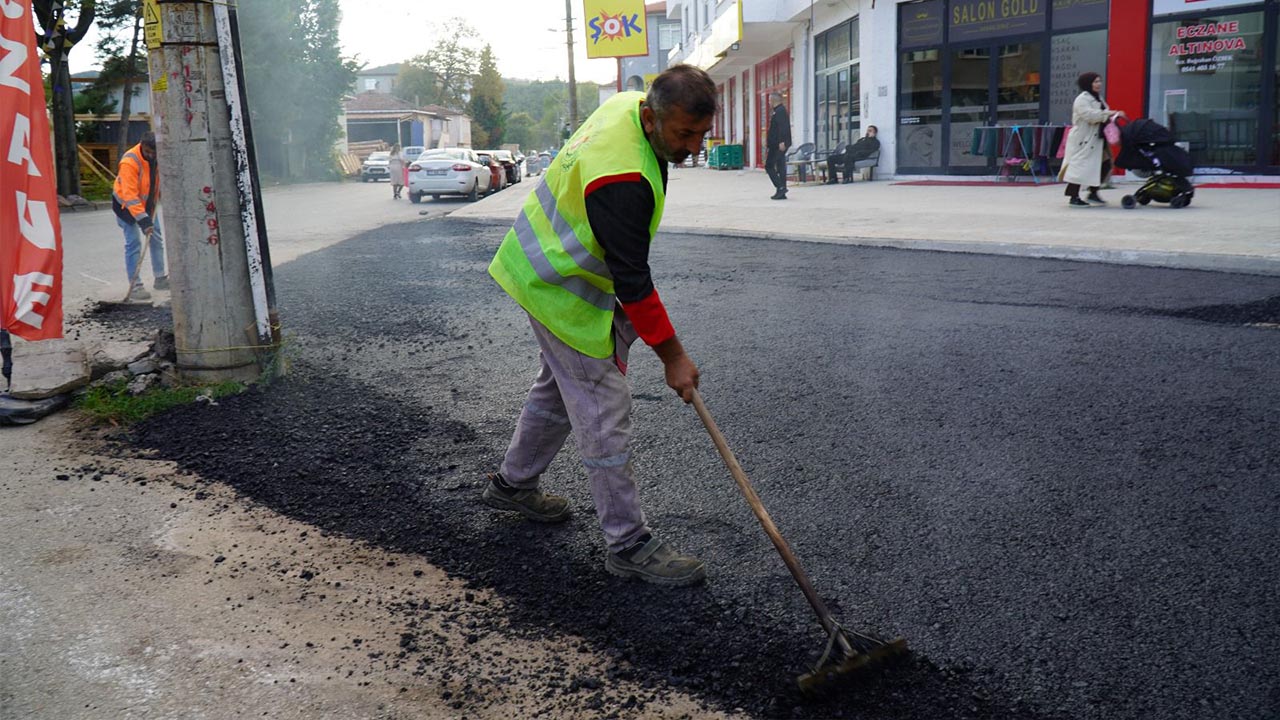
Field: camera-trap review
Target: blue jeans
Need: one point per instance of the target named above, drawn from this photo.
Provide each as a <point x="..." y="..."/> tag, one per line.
<point x="133" y="250"/>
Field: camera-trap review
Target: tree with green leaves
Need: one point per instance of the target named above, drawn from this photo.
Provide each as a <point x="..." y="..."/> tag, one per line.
<point x="488" y="118"/>
<point x="451" y="64"/>
<point x="417" y="84"/>
<point x="296" y="78"/>
<point x="56" y="39"/>
<point x="519" y="130"/>
<point x="120" y="27"/>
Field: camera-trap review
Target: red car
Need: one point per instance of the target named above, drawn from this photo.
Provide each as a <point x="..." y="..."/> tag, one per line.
<point x="499" y="179"/>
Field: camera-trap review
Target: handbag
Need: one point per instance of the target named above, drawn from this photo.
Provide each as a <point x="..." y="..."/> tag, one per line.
<point x="1111" y="132"/>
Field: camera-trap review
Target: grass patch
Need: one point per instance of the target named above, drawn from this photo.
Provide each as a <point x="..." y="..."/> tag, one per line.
<point x="113" y="404"/>
<point x="95" y="188"/>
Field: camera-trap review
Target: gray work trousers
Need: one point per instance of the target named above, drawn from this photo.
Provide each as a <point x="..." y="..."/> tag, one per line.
<point x="590" y="396"/>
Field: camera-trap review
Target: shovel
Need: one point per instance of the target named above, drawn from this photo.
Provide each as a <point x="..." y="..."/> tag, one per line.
<point x="848" y="653"/>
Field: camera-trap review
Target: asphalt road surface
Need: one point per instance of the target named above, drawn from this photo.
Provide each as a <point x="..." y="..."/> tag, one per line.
<point x="1056" y="480"/>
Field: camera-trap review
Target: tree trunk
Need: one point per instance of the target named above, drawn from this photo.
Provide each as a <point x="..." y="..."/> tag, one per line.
<point x="66" y="152"/>
<point x="57" y="42"/>
<point x="126" y="103"/>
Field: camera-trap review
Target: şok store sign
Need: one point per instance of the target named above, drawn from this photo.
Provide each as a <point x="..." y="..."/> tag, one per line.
<point x="615" y="28"/>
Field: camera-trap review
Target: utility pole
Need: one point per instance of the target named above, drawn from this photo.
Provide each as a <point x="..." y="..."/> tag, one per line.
<point x="573" y="84"/>
<point x="220" y="311"/>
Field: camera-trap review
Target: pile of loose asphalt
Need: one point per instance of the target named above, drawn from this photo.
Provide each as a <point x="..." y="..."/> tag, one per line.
<point x="1056" y="480"/>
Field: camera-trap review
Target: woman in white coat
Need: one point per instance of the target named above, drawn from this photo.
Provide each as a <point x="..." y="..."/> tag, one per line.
<point x="1087" y="159"/>
<point x="395" y="168"/>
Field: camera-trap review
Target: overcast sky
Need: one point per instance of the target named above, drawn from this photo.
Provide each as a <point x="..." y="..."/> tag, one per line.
<point x="379" y="32"/>
<point x="520" y="31"/>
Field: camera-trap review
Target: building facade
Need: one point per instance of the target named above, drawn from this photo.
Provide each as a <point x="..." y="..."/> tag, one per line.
<point x="636" y="73"/>
<point x="936" y="76"/>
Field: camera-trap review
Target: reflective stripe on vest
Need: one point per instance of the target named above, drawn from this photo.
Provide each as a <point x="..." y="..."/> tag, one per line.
<point x="550" y="261"/>
<point x="548" y="274"/>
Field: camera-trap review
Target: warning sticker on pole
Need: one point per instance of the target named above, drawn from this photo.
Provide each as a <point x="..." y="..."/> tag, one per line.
<point x="151" y="28"/>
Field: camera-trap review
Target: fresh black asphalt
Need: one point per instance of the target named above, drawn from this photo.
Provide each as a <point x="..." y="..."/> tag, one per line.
<point x="1059" y="481"/>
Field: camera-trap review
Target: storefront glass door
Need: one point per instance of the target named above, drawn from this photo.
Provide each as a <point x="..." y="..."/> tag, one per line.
<point x="991" y="85"/>
<point x="971" y="104"/>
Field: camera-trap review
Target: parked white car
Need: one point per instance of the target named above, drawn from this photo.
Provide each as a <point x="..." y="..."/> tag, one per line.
<point x="448" y="171"/>
<point x="375" y="168"/>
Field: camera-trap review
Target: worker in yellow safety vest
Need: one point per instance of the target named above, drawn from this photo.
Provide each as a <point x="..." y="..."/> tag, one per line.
<point x="577" y="262"/>
<point x="133" y="198"/>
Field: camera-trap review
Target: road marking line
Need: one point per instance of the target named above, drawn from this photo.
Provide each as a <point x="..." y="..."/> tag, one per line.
<point x="104" y="282"/>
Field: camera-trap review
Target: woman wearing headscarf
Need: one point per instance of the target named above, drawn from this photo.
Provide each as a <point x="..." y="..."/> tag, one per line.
<point x="1087" y="159"/>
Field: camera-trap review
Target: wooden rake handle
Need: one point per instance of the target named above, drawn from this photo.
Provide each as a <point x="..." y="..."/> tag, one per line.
<point x="749" y="492"/>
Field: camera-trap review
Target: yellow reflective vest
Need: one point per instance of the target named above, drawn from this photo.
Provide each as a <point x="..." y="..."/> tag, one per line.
<point x="550" y="261"/>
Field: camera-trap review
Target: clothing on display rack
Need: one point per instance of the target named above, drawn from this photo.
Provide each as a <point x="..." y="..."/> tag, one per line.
<point x="1019" y="148"/>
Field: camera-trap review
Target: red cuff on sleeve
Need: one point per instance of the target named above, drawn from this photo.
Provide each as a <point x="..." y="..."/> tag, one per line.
<point x="611" y="179"/>
<point x="650" y="319"/>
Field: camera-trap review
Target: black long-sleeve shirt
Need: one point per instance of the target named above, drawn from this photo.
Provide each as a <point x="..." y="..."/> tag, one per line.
<point x="620" y="209"/>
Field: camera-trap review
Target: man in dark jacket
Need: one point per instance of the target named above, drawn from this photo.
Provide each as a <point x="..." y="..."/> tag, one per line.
<point x="862" y="149"/>
<point x="778" y="140"/>
<point x="866" y="146"/>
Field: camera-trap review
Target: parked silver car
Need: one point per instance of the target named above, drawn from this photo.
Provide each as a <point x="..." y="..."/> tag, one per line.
<point x="448" y="171"/>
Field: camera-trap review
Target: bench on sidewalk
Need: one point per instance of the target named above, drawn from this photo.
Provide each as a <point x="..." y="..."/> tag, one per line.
<point x="801" y="158"/>
<point x="824" y="164"/>
<point x="869" y="165"/>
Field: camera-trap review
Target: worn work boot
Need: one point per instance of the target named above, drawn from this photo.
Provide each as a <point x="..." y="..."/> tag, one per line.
<point x="653" y="561"/>
<point x="162" y="283"/>
<point x="139" y="292"/>
<point x="533" y="504"/>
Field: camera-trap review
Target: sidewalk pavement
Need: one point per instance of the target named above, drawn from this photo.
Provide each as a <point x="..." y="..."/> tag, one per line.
<point x="1234" y="230"/>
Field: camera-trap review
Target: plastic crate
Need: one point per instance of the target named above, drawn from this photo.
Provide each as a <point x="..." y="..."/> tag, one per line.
<point x="725" y="157"/>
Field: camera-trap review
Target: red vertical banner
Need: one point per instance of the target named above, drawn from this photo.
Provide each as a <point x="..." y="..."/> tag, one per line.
<point x="30" y="230"/>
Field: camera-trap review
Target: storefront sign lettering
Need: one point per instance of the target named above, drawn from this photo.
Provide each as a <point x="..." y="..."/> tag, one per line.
<point x="1208" y="30"/>
<point x="1205" y="55"/>
<point x="981" y="12"/>
<point x="978" y="19"/>
<point x="920" y="24"/>
<point x="1205" y="47"/>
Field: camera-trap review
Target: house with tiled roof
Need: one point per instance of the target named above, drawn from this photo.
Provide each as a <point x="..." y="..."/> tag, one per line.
<point x="373" y="115"/>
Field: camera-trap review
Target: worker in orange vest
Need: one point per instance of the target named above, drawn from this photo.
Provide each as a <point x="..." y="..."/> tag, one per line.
<point x="134" y="197"/>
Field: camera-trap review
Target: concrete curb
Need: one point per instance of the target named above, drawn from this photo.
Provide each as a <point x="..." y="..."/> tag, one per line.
<point x="1246" y="264"/>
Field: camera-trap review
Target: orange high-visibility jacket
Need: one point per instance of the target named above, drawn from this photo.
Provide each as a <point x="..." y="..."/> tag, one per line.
<point x="136" y="189"/>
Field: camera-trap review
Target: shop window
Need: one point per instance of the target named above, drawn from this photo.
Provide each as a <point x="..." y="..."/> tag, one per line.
<point x="668" y="35"/>
<point x="1206" y="82"/>
<point x="920" y="111"/>
<point x="1275" y="118"/>
<point x="838" y="46"/>
<point x="1069" y="57"/>
<point x="838" y="91"/>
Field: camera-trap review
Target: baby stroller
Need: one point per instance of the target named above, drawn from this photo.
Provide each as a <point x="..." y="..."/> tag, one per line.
<point x="1147" y="149"/>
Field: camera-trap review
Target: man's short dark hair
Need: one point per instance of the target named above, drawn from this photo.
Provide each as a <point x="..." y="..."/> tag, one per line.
<point x="686" y="87"/>
<point x="148" y="140"/>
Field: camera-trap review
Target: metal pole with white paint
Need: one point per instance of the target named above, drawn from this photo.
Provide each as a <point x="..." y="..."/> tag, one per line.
<point x="245" y="185"/>
<point x="217" y="276"/>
